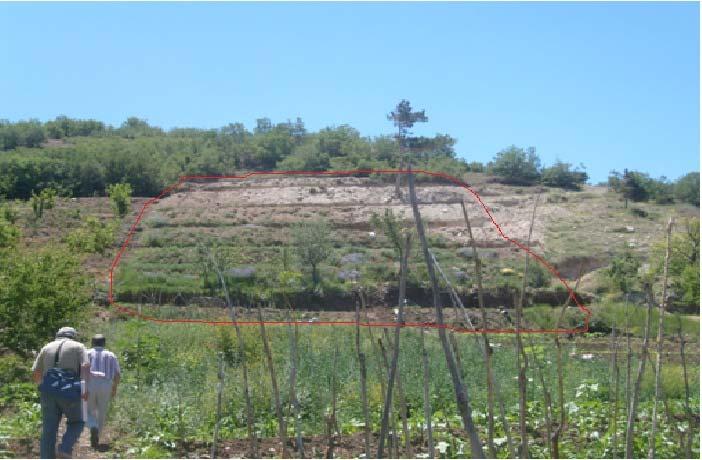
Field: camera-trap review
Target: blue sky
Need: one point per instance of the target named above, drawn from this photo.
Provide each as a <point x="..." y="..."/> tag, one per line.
<point x="611" y="85"/>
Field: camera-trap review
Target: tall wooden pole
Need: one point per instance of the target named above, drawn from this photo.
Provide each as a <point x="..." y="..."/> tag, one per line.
<point x="659" y="344"/>
<point x="458" y="386"/>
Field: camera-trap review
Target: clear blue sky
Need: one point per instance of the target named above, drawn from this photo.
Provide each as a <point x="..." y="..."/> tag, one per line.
<point x="608" y="85"/>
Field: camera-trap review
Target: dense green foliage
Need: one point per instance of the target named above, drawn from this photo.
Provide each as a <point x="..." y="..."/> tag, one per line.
<point x="120" y="197"/>
<point x="638" y="186"/>
<point x="561" y="175"/>
<point x="41" y="201"/>
<point x="93" y="236"/>
<point x="90" y="156"/>
<point x="312" y="243"/>
<point x="623" y="271"/>
<point x="684" y="267"/>
<point x="687" y="189"/>
<point x="9" y="232"/>
<point x="39" y="292"/>
<point x="82" y="157"/>
<point x="516" y="166"/>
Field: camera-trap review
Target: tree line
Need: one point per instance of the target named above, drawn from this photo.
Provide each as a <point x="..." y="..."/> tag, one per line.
<point x="83" y="157"/>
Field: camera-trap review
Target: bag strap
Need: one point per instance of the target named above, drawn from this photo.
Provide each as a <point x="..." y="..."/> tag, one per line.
<point x="58" y="353"/>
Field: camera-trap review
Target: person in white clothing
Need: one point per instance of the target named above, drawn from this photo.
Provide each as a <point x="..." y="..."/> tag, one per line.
<point x="102" y="386"/>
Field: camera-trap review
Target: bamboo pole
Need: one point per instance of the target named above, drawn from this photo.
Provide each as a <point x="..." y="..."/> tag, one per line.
<point x="688" y="411"/>
<point x="220" y="382"/>
<point x="244" y="366"/>
<point x="332" y="426"/>
<point x="493" y="387"/>
<point x="614" y="389"/>
<point x="395" y="356"/>
<point x="548" y="403"/>
<point x="628" y="350"/>
<point x="293" y="332"/>
<point x="563" y="418"/>
<point x="282" y="432"/>
<point x="633" y="404"/>
<point x="427" y="400"/>
<point x="459" y="388"/>
<point x="659" y="344"/>
<point x="522" y="359"/>
<point x="364" y="389"/>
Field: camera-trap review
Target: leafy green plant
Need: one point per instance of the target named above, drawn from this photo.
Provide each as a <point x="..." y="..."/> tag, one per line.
<point x="41" y="201"/>
<point x="120" y="197"/>
<point x="39" y="292"/>
<point x="93" y="236"/>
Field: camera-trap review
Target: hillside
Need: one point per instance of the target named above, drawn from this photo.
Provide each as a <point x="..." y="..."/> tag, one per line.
<point x="251" y="219"/>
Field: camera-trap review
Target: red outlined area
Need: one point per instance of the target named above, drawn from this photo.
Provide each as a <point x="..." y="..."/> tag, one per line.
<point x="430" y="325"/>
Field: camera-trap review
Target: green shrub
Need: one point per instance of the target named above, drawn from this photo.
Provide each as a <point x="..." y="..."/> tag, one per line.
<point x="41" y="201"/>
<point x="516" y="166"/>
<point x="93" y="236"/>
<point x="39" y="292"/>
<point x="9" y="234"/>
<point x="561" y="175"/>
<point x="120" y="196"/>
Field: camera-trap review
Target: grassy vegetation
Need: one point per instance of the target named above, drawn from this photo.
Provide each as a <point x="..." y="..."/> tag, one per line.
<point x="167" y="398"/>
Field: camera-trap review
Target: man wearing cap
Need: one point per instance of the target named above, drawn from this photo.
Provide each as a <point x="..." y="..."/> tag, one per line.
<point x="66" y="353"/>
<point x="104" y="378"/>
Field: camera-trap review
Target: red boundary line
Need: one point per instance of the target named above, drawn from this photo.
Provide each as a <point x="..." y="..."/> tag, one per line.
<point x="455" y="181"/>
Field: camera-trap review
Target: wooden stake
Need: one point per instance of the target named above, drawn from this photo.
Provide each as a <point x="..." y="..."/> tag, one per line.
<point x="493" y="388"/>
<point x="633" y="405"/>
<point x="293" y="332"/>
<point x="282" y="431"/>
<point x="220" y="382"/>
<point x="364" y="389"/>
<point x="459" y="388"/>
<point x="396" y="352"/>
<point x="659" y="345"/>
<point x="244" y="368"/>
<point x="563" y="419"/>
<point x="427" y="400"/>
<point x="522" y="359"/>
<point x="688" y="411"/>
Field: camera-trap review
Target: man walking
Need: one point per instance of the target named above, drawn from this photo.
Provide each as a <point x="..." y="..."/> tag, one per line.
<point x="67" y="358"/>
<point x="104" y="378"/>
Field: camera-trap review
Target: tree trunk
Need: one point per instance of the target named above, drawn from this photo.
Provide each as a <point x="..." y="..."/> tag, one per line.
<point x="459" y="388"/>
<point x="282" y="432"/>
<point x="395" y="357"/>
<point x="659" y="345"/>
<point x="633" y="405"/>
<point x="364" y="389"/>
<point x="493" y="388"/>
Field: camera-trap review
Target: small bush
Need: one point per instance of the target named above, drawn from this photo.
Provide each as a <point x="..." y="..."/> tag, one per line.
<point x="94" y="236"/>
<point x="120" y="196"/>
<point x="41" y="201"/>
<point x="638" y="212"/>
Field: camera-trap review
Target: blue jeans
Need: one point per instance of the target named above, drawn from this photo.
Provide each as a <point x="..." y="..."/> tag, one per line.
<point x="52" y="409"/>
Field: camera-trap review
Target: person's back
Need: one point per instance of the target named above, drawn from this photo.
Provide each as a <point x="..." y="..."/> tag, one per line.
<point x="104" y="378"/>
<point x="70" y="355"/>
